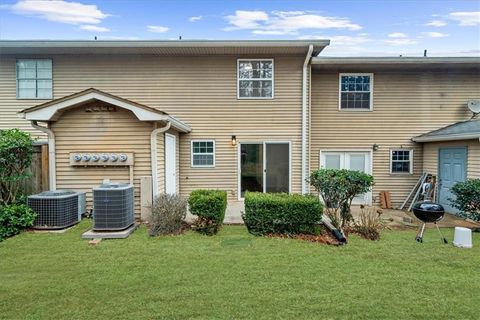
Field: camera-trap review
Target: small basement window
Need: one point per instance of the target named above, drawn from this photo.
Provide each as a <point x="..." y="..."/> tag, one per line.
<point x="255" y="79"/>
<point x="401" y="161"/>
<point x="34" y="79"/>
<point x="356" y="91"/>
<point x="203" y="153"/>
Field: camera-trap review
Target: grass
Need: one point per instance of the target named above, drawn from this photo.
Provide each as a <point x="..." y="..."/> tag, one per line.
<point x="236" y="275"/>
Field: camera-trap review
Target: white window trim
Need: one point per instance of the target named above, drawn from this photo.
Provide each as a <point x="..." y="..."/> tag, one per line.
<point x="340" y="92"/>
<point x="191" y="153"/>
<point x="16" y="79"/>
<point x="411" y="162"/>
<point x="264" y="161"/>
<point x="273" y="80"/>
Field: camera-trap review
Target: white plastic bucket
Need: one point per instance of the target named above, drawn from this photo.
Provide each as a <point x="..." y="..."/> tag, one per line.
<point x="462" y="237"/>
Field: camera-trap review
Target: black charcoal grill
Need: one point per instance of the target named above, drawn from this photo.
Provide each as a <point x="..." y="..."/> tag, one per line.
<point x="428" y="212"/>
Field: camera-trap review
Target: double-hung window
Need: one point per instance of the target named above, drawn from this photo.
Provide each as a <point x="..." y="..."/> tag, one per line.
<point x="34" y="79"/>
<point x="255" y="79"/>
<point x="356" y="91"/>
<point x="401" y="161"/>
<point x="203" y="153"/>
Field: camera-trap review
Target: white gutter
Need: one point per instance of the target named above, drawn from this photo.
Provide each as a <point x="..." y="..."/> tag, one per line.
<point x="52" y="172"/>
<point x="177" y="124"/>
<point x="304" y="119"/>
<point x="153" y="156"/>
<point x="394" y="60"/>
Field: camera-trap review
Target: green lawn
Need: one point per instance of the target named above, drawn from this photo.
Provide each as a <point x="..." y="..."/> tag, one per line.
<point x="236" y="275"/>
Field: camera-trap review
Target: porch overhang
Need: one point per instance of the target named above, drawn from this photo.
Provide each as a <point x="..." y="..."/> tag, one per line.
<point x="52" y="110"/>
<point x="464" y="130"/>
<point x="395" y="63"/>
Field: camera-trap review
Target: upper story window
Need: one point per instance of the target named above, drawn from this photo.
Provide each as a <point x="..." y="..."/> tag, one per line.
<point x="255" y="79"/>
<point x="34" y="79"/>
<point x="401" y="161"/>
<point x="356" y="91"/>
<point x="203" y="153"/>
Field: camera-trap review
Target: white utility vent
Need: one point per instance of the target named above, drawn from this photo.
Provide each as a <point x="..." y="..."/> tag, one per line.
<point x="56" y="209"/>
<point x="113" y="206"/>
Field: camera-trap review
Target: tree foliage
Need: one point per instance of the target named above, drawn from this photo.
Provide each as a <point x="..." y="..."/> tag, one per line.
<point x="467" y="198"/>
<point x="338" y="187"/>
<point x="16" y="149"/>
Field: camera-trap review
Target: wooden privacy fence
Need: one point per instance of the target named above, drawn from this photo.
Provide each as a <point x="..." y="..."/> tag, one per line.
<point x="38" y="171"/>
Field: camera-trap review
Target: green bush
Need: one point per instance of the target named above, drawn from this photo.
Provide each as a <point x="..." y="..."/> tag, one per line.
<point x="16" y="149"/>
<point x="467" y="198"/>
<point x="281" y="213"/>
<point x="338" y="187"/>
<point x="14" y="218"/>
<point x="209" y="206"/>
<point x="168" y="213"/>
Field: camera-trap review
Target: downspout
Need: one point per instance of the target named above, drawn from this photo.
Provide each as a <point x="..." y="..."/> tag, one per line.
<point x="304" y="119"/>
<point x="52" y="173"/>
<point x="153" y="155"/>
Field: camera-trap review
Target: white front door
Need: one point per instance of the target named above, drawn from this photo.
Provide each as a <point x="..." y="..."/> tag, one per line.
<point x="352" y="160"/>
<point x="170" y="164"/>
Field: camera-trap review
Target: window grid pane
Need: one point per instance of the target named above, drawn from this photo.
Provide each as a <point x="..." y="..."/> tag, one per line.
<point x="401" y="161"/>
<point x="203" y="153"/>
<point x="255" y="79"/>
<point x="34" y="79"/>
<point x="355" y="92"/>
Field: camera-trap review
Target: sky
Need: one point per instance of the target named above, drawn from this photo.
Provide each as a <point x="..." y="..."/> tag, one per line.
<point x="355" y="27"/>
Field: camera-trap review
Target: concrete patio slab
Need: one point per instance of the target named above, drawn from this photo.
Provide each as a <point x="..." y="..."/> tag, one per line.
<point x="122" y="234"/>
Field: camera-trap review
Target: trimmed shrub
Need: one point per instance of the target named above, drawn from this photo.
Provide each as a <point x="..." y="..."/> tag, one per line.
<point x="209" y="206"/>
<point x="14" y="218"/>
<point x="168" y="213"/>
<point x="338" y="187"/>
<point x="467" y="198"/>
<point x="16" y="149"/>
<point x="281" y="213"/>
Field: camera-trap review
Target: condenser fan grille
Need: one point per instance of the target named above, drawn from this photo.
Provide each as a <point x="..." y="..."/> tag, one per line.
<point x="55" y="209"/>
<point x="113" y="207"/>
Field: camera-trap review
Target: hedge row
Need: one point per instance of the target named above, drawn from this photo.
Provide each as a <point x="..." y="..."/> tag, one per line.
<point x="281" y="213"/>
<point x="209" y="206"/>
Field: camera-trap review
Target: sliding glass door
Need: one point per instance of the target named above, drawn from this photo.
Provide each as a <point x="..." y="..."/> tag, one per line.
<point x="277" y="173"/>
<point x="264" y="167"/>
<point x="251" y="168"/>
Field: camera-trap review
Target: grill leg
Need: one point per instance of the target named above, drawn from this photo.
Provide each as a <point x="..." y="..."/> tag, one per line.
<point x="441" y="234"/>
<point x="419" y="236"/>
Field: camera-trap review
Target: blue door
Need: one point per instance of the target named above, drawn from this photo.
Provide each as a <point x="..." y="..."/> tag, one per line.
<point x="452" y="168"/>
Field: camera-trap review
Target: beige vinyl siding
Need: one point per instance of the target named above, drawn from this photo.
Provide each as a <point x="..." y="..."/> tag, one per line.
<point x="78" y="130"/>
<point x="431" y="151"/>
<point x="405" y="104"/>
<point x="198" y="90"/>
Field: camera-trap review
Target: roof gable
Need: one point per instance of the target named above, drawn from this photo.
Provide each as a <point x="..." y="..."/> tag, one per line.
<point x="52" y="110"/>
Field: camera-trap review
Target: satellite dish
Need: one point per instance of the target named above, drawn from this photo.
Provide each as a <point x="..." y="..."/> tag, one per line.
<point x="474" y="106"/>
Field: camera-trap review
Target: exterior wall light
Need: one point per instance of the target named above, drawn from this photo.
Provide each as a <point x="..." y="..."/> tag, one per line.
<point x="375" y="147"/>
<point x="234" y="141"/>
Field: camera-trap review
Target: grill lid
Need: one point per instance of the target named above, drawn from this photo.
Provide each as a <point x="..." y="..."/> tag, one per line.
<point x="428" y="206"/>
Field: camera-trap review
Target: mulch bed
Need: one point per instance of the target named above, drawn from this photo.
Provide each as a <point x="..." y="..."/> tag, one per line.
<point x="325" y="237"/>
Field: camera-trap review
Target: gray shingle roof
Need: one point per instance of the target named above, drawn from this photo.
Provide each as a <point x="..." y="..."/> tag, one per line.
<point x="469" y="129"/>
